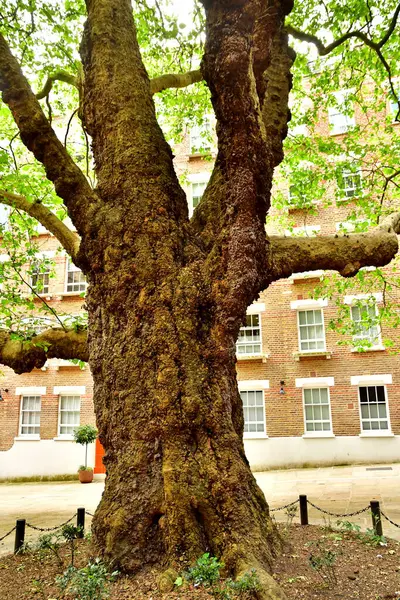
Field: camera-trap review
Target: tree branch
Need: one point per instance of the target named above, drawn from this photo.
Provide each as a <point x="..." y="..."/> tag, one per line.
<point x="346" y="254"/>
<point x="174" y="80"/>
<point x="23" y="356"/>
<point x="57" y="76"/>
<point x="38" y="136"/>
<point x="68" y="239"/>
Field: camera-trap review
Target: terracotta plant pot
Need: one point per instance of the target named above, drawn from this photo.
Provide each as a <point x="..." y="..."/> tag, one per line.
<point x="85" y="476"/>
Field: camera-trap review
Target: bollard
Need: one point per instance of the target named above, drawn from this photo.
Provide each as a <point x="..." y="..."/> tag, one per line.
<point x="80" y="521"/>
<point x="19" y="535"/>
<point x="376" y="517"/>
<point x="303" y="510"/>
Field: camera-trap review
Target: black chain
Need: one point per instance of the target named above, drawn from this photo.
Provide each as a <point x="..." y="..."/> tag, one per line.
<point x="326" y="512"/>
<point x="285" y="506"/>
<point x="390" y="520"/>
<point x="89" y="513"/>
<point x="51" y="528"/>
<point x="9" y="533"/>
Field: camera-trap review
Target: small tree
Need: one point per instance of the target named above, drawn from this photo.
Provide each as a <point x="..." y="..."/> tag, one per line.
<point x="85" y="435"/>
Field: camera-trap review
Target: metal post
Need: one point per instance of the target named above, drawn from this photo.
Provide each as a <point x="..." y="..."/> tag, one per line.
<point x="303" y="510"/>
<point x="80" y="521"/>
<point x="376" y="517"/>
<point x="19" y="535"/>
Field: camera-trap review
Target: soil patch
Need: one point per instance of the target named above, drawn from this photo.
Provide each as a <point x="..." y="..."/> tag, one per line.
<point x="354" y="569"/>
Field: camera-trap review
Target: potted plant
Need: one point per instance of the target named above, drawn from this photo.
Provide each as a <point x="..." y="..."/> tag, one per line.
<point x="85" y="435"/>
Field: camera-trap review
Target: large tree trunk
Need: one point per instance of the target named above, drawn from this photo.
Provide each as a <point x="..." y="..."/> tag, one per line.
<point x="171" y="421"/>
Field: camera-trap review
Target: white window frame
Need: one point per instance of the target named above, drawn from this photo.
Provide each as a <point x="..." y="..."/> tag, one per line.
<point x="45" y="289"/>
<point x="74" y="269"/>
<point x="203" y="177"/>
<point x="375" y="432"/>
<point x="365" y="299"/>
<point x="29" y="436"/>
<point x="60" y="411"/>
<point x="344" y="191"/>
<point x="316" y="383"/>
<point x="323" y="432"/>
<point x="299" y="326"/>
<point x="340" y="123"/>
<point x="195" y="147"/>
<point x="258" y="385"/>
<point x="250" y="313"/>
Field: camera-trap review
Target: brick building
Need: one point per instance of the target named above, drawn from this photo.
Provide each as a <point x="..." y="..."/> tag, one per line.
<point x="307" y="400"/>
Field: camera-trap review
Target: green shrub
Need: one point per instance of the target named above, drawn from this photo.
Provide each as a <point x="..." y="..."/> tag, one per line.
<point x="90" y="583"/>
<point x="205" y="571"/>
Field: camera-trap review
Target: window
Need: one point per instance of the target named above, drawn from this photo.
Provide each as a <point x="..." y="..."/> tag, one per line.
<point x="249" y="340"/>
<point x="40" y="278"/>
<point x="253" y="412"/>
<point x="30" y="415"/>
<point x="340" y="120"/>
<point x="350" y="183"/>
<point x="366" y="329"/>
<point x="200" y="137"/>
<point x="311" y="330"/>
<point x="317" y="414"/>
<point x="373" y="407"/>
<point x="69" y="414"/>
<point x="76" y="281"/>
<point x="394" y="105"/>
<point x="197" y="192"/>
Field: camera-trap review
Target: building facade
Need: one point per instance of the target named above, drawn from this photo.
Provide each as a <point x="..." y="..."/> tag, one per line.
<point x="307" y="399"/>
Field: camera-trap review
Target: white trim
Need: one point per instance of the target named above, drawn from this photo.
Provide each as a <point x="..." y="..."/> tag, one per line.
<point x="318" y="434"/>
<point x="371" y="379"/>
<point x="29" y="437"/>
<point x="376" y="432"/>
<point x="378" y="296"/>
<point x="30" y="391"/>
<point x="72" y="390"/>
<point x="256" y="309"/>
<point x="64" y="437"/>
<point x="309" y="303"/>
<point x="322" y="433"/>
<point x="306" y="275"/>
<point x="202" y="177"/>
<point x="315" y="382"/>
<point x="250" y="385"/>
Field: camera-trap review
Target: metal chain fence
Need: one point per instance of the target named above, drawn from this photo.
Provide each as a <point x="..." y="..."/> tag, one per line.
<point x="326" y="512"/>
<point x="50" y="528"/>
<point x="284" y="506"/>
<point x="7" y="534"/>
<point x="390" y="520"/>
<point x="89" y="513"/>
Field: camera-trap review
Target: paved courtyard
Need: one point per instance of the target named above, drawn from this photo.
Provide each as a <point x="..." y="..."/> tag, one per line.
<point x="336" y="489"/>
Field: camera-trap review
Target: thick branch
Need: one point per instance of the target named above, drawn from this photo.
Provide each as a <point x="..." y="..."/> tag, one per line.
<point x="346" y="254"/>
<point x="174" y="80"/>
<point x="23" y="356"/>
<point x="38" y="136"/>
<point x="38" y="211"/>
<point x="57" y="76"/>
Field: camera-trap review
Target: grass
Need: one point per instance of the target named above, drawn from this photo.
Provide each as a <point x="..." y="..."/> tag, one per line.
<point x="39" y="478"/>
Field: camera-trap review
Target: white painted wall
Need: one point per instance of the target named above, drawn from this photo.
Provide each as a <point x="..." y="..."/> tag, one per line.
<point x="51" y="457"/>
<point x="286" y="452"/>
<point x="43" y="457"/>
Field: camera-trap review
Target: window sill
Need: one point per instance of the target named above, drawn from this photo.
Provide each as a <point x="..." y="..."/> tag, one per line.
<point x="69" y="294"/>
<point x="64" y="438"/>
<point x="256" y="436"/>
<point x="262" y="357"/>
<point x="375" y="434"/>
<point x="306" y="276"/>
<point x="371" y="349"/>
<point x="318" y="436"/>
<point x="327" y="354"/>
<point x="27" y="438"/>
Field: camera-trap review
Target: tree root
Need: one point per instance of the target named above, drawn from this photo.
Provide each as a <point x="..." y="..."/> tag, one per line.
<point x="270" y="590"/>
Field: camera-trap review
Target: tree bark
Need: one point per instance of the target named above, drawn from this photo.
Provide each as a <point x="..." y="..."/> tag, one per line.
<point x="166" y="297"/>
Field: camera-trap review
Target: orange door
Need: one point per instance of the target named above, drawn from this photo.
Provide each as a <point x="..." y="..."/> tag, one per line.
<point x="98" y="462"/>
